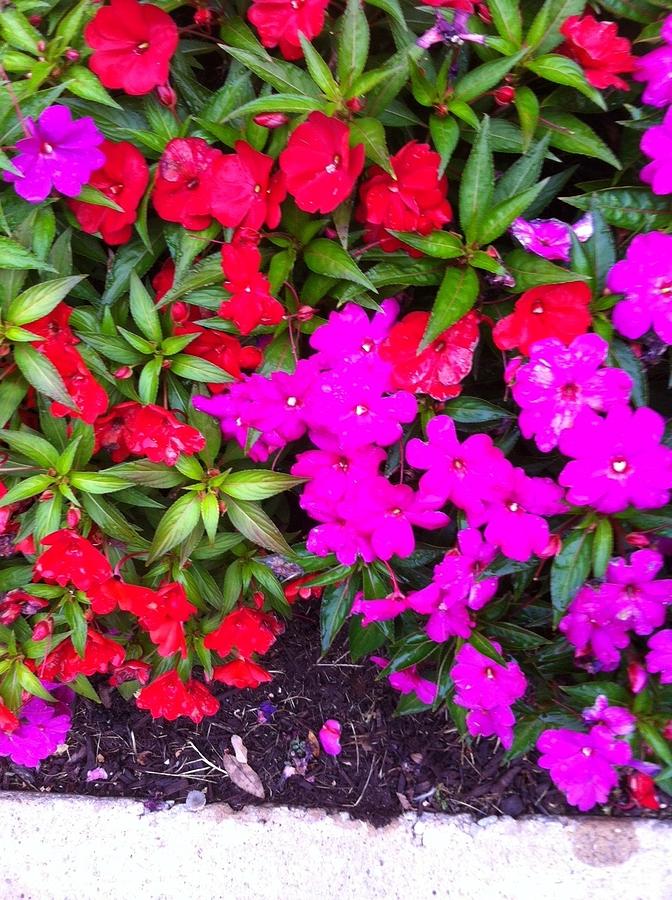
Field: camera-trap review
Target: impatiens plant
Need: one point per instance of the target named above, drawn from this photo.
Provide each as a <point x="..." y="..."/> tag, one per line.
<point x="362" y="304"/>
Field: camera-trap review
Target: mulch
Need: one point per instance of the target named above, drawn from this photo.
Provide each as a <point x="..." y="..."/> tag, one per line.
<point x="388" y="764"/>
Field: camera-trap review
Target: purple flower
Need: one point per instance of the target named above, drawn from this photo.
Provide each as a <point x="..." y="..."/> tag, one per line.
<point x="641" y="601"/>
<point x="464" y="473"/>
<point x="408" y="681"/>
<point x="583" y="766"/>
<point x="454" y="32"/>
<point x="514" y="517"/>
<point x="558" y="382"/>
<point x="447" y="611"/>
<point x="594" y="627"/>
<point x="645" y="277"/>
<point x="618" y="720"/>
<point x="659" y="657"/>
<point x="656" y="69"/>
<point x="350" y="335"/>
<point x="657" y="143"/>
<point x="382" y="610"/>
<point x="482" y="683"/>
<point x="551" y="238"/>
<point x="43" y="728"/>
<point x="60" y="152"/>
<point x="496" y="722"/>
<point x="618" y="461"/>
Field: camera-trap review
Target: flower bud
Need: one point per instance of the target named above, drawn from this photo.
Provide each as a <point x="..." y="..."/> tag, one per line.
<point x="552" y="548"/>
<point x="35" y="21"/>
<point x="305" y="313"/>
<point x="441" y="109"/>
<point x="667" y="731"/>
<point x="484" y="13"/>
<point x="45" y="496"/>
<point x="637" y="676"/>
<point x="123" y="373"/>
<point x="355" y="104"/>
<point x="72" y="54"/>
<point x="271" y="120"/>
<point x="204" y="17"/>
<point x="41" y="46"/>
<point x="43" y="630"/>
<point x="179" y="312"/>
<point x="167" y="95"/>
<point x="73" y="517"/>
<point x="637" y="539"/>
<point x="258" y="599"/>
<point x="504" y="95"/>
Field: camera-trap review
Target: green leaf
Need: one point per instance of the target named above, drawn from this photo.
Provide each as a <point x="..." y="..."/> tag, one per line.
<point x="32" y="446"/>
<point x="31" y="683"/>
<point x="74" y="616"/>
<point x="253" y="523"/>
<point x="112" y="522"/>
<point x="18" y="32"/>
<point x="501" y="216"/>
<point x="569" y="133"/>
<point x="485" y="77"/>
<point x="97" y="483"/>
<point x="371" y="133"/>
<point x="258" y="484"/>
<point x="335" y="607"/>
<point x="40" y="300"/>
<point x="457" y="294"/>
<point x="621" y="355"/>
<point x="325" y="257"/>
<point x="506" y="17"/>
<point x="210" y="515"/>
<point x="283" y="76"/>
<point x="472" y="411"/>
<point x="562" y="70"/>
<point x="632" y="208"/>
<point x="532" y="271"/>
<point x="525" y="737"/>
<point x="147" y="473"/>
<point x="83" y="83"/>
<point x="232" y="587"/>
<point x="392" y="8"/>
<point x="144" y="311"/>
<point x="175" y="526"/>
<point x="148" y="382"/>
<point x="41" y="374"/>
<point x="353" y="44"/>
<point x="656" y="741"/>
<point x="445" y="133"/>
<point x="196" y="369"/>
<point x="437" y="245"/>
<point x="570" y="569"/>
<point x="82" y="686"/>
<point x="544" y="33"/>
<point x="527" y="107"/>
<point x="603" y="547"/>
<point x="524" y="173"/>
<point x="476" y="186"/>
<point x="286" y="103"/>
<point x="14" y="255"/>
<point x="29" y="487"/>
<point x="319" y="70"/>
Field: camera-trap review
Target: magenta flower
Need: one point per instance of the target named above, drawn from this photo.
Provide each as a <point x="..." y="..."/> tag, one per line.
<point x="330" y="737"/>
<point x="447" y="611"/>
<point x="640" y="599"/>
<point x="350" y="335"/>
<point x="616" y="719"/>
<point x="43" y="728"/>
<point x="659" y="657"/>
<point x="339" y="538"/>
<point x="550" y="238"/>
<point x="235" y="411"/>
<point x="583" y="766"/>
<point x="496" y="722"/>
<point x="594" y="627"/>
<point x="464" y="473"/>
<point x="514" y="518"/>
<point x="60" y="152"/>
<point x="382" y="610"/>
<point x="655" y="68"/>
<point x="618" y="461"/>
<point x="408" y="681"/>
<point x="645" y="277"/>
<point x="657" y="143"/>
<point x="332" y="475"/>
<point x="559" y="381"/>
<point x="353" y="403"/>
<point x="482" y="683"/>
<point x="279" y="405"/>
<point x="465" y="565"/>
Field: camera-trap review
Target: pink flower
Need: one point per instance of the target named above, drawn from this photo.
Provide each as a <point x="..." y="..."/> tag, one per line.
<point x="349" y="334"/>
<point x="379" y="610"/>
<point x="332" y="474"/>
<point x="330" y="737"/>
<point x="447" y="611"/>
<point x="482" y="683"/>
<point x="550" y="238"/>
<point x="514" y="518"/>
<point x="583" y="766"/>
<point x="656" y="69"/>
<point x="618" y="461"/>
<point x="640" y="599"/>
<point x="645" y="277"/>
<point x="408" y="681"/>
<point x="558" y="382"/>
<point x="657" y="143"/>
<point x="594" y="627"/>
<point x="659" y="657"/>
<point x="464" y="473"/>
<point x="43" y="727"/>
<point x="496" y="722"/>
<point x="616" y="719"/>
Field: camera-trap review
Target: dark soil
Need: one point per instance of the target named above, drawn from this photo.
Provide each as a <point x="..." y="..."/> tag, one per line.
<point x="387" y="765"/>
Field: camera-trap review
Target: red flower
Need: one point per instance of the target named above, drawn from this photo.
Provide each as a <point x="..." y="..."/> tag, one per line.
<point x="71" y="559"/>
<point x="124" y="179"/>
<point x="100" y="655"/>
<point x="598" y="49"/>
<point x="132" y="45"/>
<point x="246" y="630"/>
<point x="413" y="200"/>
<point x="133" y="670"/>
<point x="440" y="367"/>
<point x="89" y="398"/>
<point x="241" y="673"/>
<point x="150" y="431"/>
<point x="54" y="327"/>
<point x="320" y="166"/>
<point x="251" y="303"/>
<point x="552" y="310"/>
<point x="162" y="282"/>
<point x="280" y="21"/>
<point x="298" y="588"/>
<point x="243" y="190"/>
<point x="643" y="791"/>
<point x="183" y="189"/>
<point x="163" y="617"/>
<point x="221" y="350"/>
<point x="169" y="697"/>
<point x="8" y="721"/>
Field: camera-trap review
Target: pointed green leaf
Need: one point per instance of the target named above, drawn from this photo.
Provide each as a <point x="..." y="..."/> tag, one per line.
<point x="457" y="294"/>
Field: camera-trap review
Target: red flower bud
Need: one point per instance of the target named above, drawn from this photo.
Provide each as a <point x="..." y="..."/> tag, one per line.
<point x="637" y="676"/>
<point x="667" y="731"/>
<point x="179" y="312"/>
<point x="504" y="95"/>
<point x="42" y="630"/>
<point x="203" y="17"/>
<point x="484" y="14"/>
<point x="441" y="109"/>
<point x="305" y="313"/>
<point x="35" y="21"/>
<point x="637" y="539"/>
<point x="643" y="790"/>
<point x="41" y="46"/>
<point x="552" y="548"/>
<point x="271" y="120"/>
<point x="45" y="496"/>
<point x="72" y="54"/>
<point x="123" y="373"/>
<point x="355" y="104"/>
<point x="167" y="95"/>
<point x="258" y="599"/>
<point x="73" y="516"/>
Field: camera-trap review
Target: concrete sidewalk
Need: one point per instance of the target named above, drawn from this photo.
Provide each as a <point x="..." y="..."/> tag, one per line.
<point x="79" y="848"/>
